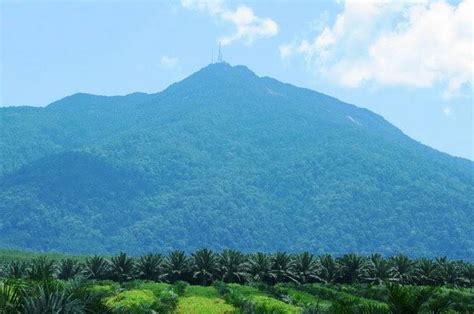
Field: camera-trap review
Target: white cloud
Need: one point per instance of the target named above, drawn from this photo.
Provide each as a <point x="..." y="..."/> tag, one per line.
<point x="169" y="62"/>
<point x="447" y="111"/>
<point x="248" y="26"/>
<point x="416" y="43"/>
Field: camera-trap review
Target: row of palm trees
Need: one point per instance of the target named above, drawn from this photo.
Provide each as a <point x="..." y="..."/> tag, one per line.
<point x="205" y="266"/>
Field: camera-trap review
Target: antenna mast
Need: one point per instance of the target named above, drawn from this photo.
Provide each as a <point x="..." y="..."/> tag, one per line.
<point x="219" y="55"/>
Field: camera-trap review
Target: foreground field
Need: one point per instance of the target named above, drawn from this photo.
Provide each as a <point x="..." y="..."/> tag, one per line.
<point x="232" y="282"/>
<point x="152" y="297"/>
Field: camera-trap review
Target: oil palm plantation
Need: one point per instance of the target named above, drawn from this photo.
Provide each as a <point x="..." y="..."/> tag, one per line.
<point x="407" y="299"/>
<point x="150" y="266"/>
<point x="11" y="294"/>
<point x="41" y="268"/>
<point x="282" y="267"/>
<point x="379" y="269"/>
<point x="426" y="272"/>
<point x="204" y="266"/>
<point x="402" y="268"/>
<point x="68" y="269"/>
<point x="329" y="268"/>
<point x="353" y="268"/>
<point x="177" y="266"/>
<point x="96" y="267"/>
<point x="122" y="267"/>
<point x="306" y="268"/>
<point x="259" y="268"/>
<point x="231" y="266"/>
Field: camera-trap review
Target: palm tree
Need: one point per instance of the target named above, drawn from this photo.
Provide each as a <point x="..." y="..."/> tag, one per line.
<point x="204" y="266"/>
<point x="406" y="299"/>
<point x="11" y="293"/>
<point x="426" y="272"/>
<point x="306" y="268"/>
<point x="448" y="272"/>
<point x="15" y="270"/>
<point x="96" y="267"/>
<point x="330" y="271"/>
<point x="467" y="274"/>
<point x="282" y="267"/>
<point x="150" y="266"/>
<point x="68" y="269"/>
<point x="177" y="266"/>
<point x="41" y="268"/>
<point x="259" y="268"/>
<point x="379" y="269"/>
<point x="122" y="267"/>
<point x="52" y="301"/>
<point x="353" y="268"/>
<point x="232" y="266"/>
<point x="402" y="268"/>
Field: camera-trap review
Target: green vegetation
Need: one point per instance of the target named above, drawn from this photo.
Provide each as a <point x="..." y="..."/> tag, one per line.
<point x="266" y="283"/>
<point x="226" y="159"/>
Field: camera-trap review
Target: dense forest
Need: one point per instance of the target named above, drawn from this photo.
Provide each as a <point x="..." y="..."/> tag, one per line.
<point x="234" y="282"/>
<point x="226" y="159"/>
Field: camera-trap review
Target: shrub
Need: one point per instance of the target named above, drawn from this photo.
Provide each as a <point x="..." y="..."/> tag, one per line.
<point x="132" y="301"/>
<point x="179" y="287"/>
<point x="167" y="302"/>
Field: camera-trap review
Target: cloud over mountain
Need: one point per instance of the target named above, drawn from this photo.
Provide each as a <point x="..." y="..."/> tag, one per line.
<point x="417" y="44"/>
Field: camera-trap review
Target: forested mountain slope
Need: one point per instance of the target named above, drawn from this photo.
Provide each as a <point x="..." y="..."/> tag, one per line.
<point x="226" y="159"/>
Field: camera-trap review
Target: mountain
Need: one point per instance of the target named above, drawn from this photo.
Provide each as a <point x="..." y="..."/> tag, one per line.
<point x="226" y="159"/>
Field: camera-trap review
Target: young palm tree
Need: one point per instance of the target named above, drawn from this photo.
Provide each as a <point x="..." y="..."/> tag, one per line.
<point x="259" y="268"/>
<point x="41" y="268"/>
<point x="15" y="270"/>
<point x="150" y="266"/>
<point x="402" y="268"/>
<point x="52" y="301"/>
<point x="407" y="299"/>
<point x="68" y="268"/>
<point x="11" y="294"/>
<point x="122" y="267"/>
<point x="306" y="268"/>
<point x="204" y="266"/>
<point x="96" y="267"/>
<point x="177" y="266"/>
<point x="329" y="271"/>
<point x="282" y="267"/>
<point x="353" y="268"/>
<point x="232" y="266"/>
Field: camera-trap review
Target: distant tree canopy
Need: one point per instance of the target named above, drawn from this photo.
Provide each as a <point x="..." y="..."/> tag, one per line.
<point x="226" y="159"/>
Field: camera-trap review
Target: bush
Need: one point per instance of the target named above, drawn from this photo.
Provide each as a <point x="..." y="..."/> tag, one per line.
<point x="132" y="301"/>
<point x="179" y="287"/>
<point x="167" y="302"/>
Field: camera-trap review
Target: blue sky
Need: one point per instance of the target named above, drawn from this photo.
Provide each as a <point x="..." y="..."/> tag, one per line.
<point x="411" y="62"/>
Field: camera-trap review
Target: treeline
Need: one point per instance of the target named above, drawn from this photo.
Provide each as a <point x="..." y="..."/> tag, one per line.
<point x="204" y="267"/>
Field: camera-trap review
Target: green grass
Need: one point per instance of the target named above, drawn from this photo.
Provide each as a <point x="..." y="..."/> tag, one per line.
<point x="327" y="293"/>
<point x="246" y="291"/>
<point x="262" y="301"/>
<point x="201" y="299"/>
<point x="268" y="304"/>
<point x="201" y="291"/>
<point x="131" y="301"/>
<point x="156" y="287"/>
<point x="302" y="298"/>
<point x="203" y="305"/>
<point x="8" y="255"/>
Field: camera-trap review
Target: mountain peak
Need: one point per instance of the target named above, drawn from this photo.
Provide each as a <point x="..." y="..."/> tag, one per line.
<point x="225" y="70"/>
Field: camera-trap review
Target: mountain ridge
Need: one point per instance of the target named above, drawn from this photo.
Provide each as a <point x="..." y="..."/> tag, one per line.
<point x="225" y="158"/>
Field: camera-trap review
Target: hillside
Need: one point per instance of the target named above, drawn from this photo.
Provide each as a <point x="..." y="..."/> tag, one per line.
<point x="226" y="159"/>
